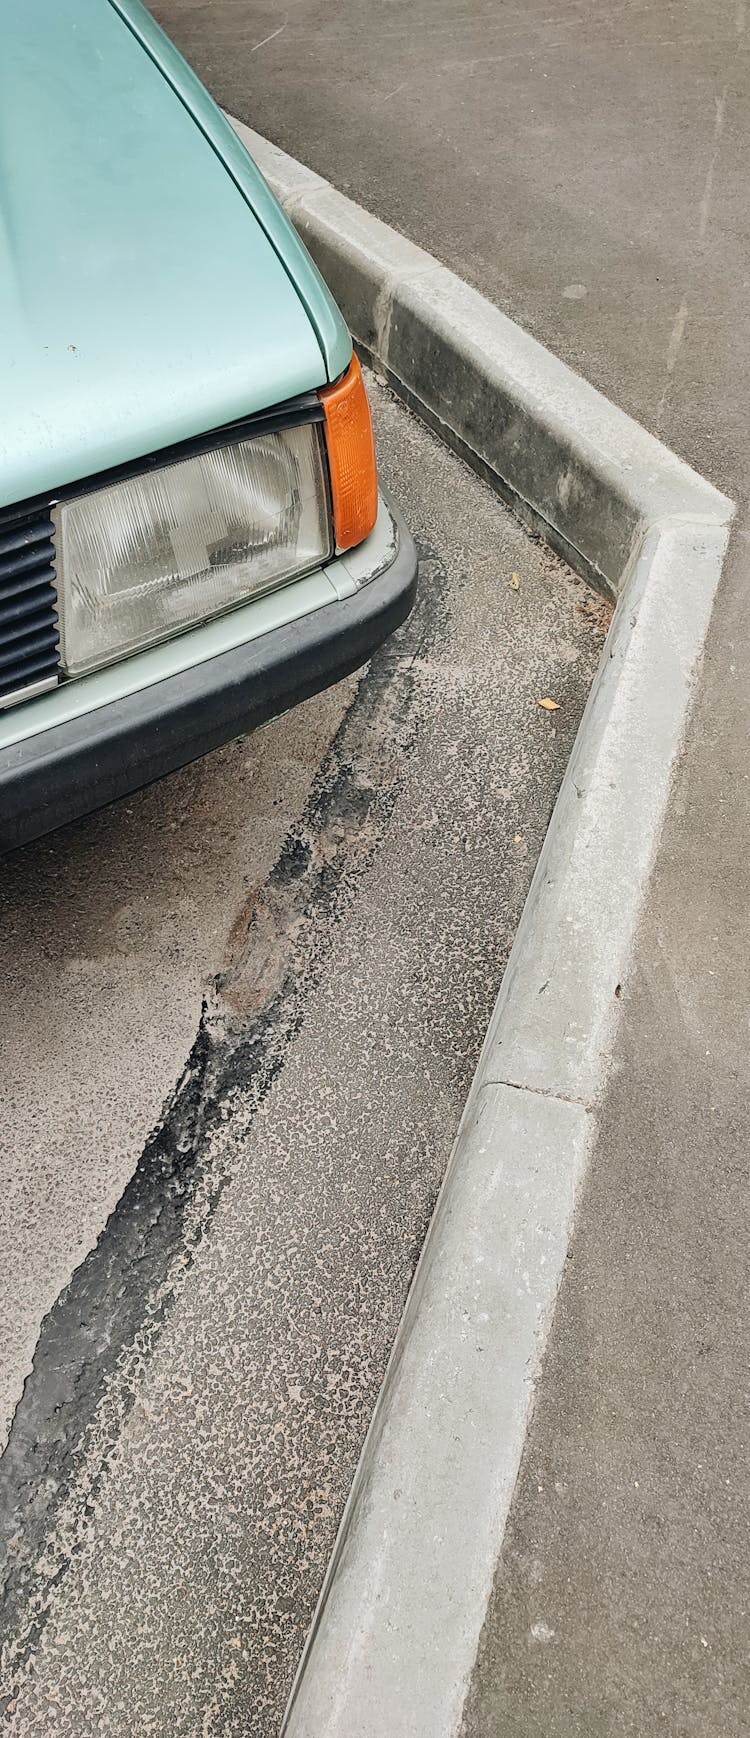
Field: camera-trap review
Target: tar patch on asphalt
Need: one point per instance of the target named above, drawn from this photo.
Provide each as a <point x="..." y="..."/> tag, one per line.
<point x="125" y="1287"/>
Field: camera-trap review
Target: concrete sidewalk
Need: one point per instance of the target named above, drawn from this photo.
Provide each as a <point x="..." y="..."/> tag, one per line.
<point x="589" y="174"/>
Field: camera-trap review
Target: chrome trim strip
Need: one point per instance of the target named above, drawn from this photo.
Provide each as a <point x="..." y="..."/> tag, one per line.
<point x="30" y="692"/>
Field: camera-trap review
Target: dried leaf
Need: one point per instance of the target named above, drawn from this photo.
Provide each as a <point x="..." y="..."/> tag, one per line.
<point x="515" y="582"/>
<point x="548" y="705"/>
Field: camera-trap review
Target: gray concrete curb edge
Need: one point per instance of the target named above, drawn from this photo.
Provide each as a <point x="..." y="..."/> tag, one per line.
<point x="395" y="1634"/>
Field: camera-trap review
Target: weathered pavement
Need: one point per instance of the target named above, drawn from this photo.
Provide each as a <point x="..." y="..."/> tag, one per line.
<point x="588" y="173"/>
<point x="340" y="892"/>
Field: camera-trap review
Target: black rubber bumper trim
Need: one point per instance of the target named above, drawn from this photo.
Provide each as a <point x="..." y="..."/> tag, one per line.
<point x="74" y="768"/>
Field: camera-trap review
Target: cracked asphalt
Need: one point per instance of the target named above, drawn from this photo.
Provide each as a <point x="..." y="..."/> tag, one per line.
<point x="242" y="1011"/>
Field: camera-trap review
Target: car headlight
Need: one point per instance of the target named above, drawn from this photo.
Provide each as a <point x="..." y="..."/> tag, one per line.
<point x="140" y="560"/>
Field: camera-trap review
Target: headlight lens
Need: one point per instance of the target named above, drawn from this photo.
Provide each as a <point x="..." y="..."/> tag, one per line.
<point x="141" y="560"/>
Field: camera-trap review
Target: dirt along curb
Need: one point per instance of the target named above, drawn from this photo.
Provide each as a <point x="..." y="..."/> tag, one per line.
<point x="395" y="1634"/>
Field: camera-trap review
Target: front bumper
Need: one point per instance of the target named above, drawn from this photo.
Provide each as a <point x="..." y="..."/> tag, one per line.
<point x="71" y="768"/>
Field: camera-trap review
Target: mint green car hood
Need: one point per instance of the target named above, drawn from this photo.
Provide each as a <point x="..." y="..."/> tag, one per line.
<point x="142" y="300"/>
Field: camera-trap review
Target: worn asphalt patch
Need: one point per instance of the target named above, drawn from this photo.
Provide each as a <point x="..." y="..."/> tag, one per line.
<point x="251" y="1014"/>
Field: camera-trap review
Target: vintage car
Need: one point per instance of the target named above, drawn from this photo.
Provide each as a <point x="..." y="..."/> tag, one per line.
<point x="191" y="533"/>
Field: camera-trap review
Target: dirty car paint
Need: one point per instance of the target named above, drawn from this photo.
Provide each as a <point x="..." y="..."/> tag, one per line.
<point x="141" y="300"/>
<point x="333" y="333"/>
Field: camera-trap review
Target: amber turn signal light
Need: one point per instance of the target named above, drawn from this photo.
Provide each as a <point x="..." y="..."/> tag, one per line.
<point x="351" y="457"/>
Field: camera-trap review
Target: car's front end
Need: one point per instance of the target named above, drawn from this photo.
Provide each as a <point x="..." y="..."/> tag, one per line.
<point x="191" y="535"/>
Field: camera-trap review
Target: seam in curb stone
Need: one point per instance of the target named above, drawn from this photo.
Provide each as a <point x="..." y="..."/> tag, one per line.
<point x="430" y="1499"/>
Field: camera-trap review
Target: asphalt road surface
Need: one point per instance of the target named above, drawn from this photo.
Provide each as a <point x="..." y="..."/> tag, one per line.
<point x="242" y="1011"/>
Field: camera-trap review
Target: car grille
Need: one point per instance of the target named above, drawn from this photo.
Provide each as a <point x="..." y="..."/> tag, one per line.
<point x="28" y="603"/>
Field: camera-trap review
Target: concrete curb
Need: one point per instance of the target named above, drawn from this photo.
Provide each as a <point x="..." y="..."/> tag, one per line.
<point x="396" y="1631"/>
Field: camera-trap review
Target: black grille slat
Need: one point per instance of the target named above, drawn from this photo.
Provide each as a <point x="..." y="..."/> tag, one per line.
<point x="34" y="670"/>
<point x="33" y="623"/>
<point x="33" y="645"/>
<point x="39" y="585"/>
<point x="34" y="666"/>
<point x="31" y="559"/>
<point x="23" y="537"/>
<point x="29" y="637"/>
<point x="25" y="603"/>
